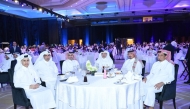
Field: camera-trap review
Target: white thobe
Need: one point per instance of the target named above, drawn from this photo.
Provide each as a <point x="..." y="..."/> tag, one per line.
<point x="104" y="62"/>
<point x="68" y="65"/>
<point x="5" y="65"/>
<point x="48" y="72"/>
<point x="128" y="66"/>
<point x="160" y="72"/>
<point x="40" y="98"/>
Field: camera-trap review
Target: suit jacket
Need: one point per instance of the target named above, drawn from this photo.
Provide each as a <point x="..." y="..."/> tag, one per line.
<point x="172" y="49"/>
<point x="187" y="57"/>
<point x="13" y="63"/>
<point x="16" y="50"/>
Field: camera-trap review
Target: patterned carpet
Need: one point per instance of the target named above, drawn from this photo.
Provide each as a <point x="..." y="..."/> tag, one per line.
<point x="182" y="98"/>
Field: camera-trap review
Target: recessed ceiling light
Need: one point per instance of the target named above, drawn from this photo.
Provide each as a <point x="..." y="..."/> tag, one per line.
<point x="16" y="1"/>
<point x="40" y="9"/>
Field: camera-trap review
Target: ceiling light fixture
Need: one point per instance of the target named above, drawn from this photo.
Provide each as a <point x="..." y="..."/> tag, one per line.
<point x="39" y="8"/>
<point x="101" y="5"/>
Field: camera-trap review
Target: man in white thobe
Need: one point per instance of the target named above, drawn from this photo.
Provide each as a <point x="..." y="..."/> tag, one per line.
<point x="47" y="70"/>
<point x="70" y="63"/>
<point x="162" y="73"/>
<point x="132" y="64"/>
<point x="6" y="64"/>
<point x="26" y="77"/>
<point x="104" y="60"/>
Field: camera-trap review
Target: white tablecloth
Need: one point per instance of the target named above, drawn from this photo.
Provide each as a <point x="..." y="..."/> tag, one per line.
<point x="99" y="94"/>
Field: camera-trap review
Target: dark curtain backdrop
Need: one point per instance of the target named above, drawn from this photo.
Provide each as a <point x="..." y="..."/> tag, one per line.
<point x="140" y="32"/>
<point x="31" y="32"/>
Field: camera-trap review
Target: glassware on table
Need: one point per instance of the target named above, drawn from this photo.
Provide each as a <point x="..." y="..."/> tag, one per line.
<point x="84" y="73"/>
<point x="73" y="73"/>
<point x="113" y="66"/>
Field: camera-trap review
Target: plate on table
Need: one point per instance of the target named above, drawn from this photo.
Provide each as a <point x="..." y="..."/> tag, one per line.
<point x="62" y="80"/>
<point x="84" y="83"/>
<point x="118" y="83"/>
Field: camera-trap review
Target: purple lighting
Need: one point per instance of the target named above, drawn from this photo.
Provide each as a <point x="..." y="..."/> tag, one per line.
<point x="183" y="4"/>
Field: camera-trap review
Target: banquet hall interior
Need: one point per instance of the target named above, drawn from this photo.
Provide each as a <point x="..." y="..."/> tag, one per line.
<point x="87" y="29"/>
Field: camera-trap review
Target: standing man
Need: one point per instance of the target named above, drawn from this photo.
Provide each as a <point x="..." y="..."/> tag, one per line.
<point x="187" y="60"/>
<point x="15" y="48"/>
<point x="170" y="48"/>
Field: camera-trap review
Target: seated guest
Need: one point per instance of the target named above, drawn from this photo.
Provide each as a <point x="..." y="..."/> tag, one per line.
<point x="132" y="64"/>
<point x="47" y="70"/>
<point x="69" y="63"/>
<point x="26" y="77"/>
<point x="162" y="73"/>
<point x="104" y="60"/>
<point x="14" y="61"/>
<point x="6" y="64"/>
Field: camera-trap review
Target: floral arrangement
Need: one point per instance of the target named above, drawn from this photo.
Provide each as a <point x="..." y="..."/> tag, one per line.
<point x="90" y="67"/>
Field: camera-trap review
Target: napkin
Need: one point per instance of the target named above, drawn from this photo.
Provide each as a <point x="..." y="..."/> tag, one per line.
<point x="138" y="77"/>
<point x="129" y="76"/>
<point x="98" y="74"/>
<point x="72" y="79"/>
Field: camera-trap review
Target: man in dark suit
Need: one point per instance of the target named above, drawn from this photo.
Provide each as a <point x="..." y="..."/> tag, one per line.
<point x="187" y="61"/>
<point x="170" y="48"/>
<point x="15" y="48"/>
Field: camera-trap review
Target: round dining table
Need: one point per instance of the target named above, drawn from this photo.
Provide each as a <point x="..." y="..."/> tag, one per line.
<point x="99" y="93"/>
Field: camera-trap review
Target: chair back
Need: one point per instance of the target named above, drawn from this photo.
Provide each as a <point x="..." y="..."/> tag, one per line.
<point x="143" y="69"/>
<point x="13" y="63"/>
<point x="4" y="77"/>
<point x="61" y="63"/>
<point x="19" y="95"/>
<point x="11" y="73"/>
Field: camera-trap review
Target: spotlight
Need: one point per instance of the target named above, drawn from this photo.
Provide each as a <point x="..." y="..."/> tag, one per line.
<point x="16" y="1"/>
<point x="40" y="9"/>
